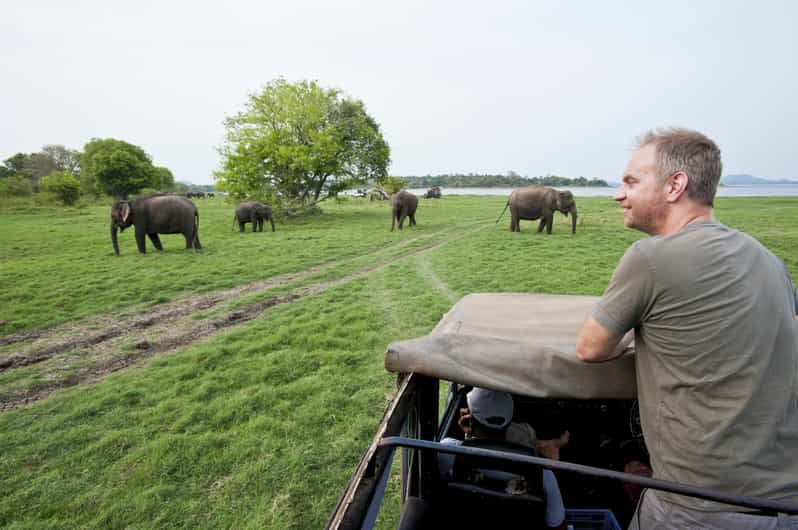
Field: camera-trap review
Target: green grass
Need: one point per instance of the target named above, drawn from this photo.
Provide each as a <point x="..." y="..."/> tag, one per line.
<point x="262" y="425"/>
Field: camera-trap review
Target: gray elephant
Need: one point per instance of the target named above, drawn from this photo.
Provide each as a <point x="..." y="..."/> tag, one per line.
<point x="403" y="204"/>
<point x="253" y="212"/>
<point x="153" y="215"/>
<point x="539" y="202"/>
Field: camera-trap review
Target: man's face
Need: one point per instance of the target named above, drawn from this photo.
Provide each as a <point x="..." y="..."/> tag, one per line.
<point x="642" y="194"/>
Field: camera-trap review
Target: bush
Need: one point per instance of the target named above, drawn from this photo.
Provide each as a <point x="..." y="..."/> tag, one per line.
<point x="15" y="186"/>
<point x="63" y="185"/>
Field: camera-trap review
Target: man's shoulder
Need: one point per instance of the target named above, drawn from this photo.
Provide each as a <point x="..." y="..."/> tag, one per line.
<point x="691" y="237"/>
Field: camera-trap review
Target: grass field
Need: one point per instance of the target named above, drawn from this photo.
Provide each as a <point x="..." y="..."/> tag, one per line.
<point x="237" y="387"/>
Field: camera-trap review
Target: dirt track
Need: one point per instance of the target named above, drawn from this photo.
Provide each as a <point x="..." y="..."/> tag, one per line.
<point x="104" y="345"/>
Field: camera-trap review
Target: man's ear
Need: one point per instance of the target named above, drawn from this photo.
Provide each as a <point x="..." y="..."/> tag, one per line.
<point x="676" y="186"/>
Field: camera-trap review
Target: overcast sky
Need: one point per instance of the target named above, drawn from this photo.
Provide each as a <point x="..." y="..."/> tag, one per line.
<point x="486" y="87"/>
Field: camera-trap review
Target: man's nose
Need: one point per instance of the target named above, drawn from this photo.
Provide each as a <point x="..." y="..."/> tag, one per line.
<point x="619" y="195"/>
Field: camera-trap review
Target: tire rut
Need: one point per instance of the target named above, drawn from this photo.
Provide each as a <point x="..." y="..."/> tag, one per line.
<point x="79" y="334"/>
<point x="170" y="328"/>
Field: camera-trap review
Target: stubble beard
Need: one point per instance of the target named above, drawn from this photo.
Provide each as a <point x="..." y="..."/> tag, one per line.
<point x="647" y="221"/>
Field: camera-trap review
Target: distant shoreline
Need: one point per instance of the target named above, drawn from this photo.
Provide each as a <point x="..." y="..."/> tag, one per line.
<point x="737" y="190"/>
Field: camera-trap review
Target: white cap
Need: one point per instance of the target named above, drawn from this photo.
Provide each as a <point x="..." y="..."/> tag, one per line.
<point x="490" y="408"/>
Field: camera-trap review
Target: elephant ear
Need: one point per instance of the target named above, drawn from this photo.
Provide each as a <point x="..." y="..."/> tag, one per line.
<point x="125" y="212"/>
<point x="557" y="203"/>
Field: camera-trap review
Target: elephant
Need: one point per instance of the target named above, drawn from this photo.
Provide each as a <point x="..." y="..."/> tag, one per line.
<point x="252" y="212"/>
<point x="539" y="202"/>
<point x="153" y="215"/>
<point x="403" y="204"/>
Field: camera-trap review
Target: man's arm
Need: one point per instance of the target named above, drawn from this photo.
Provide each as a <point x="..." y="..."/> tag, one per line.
<point x="596" y="343"/>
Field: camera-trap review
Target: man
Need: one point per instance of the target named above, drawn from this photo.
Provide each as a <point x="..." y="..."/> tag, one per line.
<point x="488" y="416"/>
<point x="712" y="316"/>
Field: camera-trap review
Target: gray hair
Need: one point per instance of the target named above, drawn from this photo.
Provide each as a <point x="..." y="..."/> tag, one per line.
<point x="691" y="152"/>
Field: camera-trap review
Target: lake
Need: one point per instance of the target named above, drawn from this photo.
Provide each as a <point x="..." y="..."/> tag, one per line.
<point x="767" y="190"/>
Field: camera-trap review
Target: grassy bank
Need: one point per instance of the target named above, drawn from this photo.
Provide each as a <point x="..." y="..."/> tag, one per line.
<point x="261" y="425"/>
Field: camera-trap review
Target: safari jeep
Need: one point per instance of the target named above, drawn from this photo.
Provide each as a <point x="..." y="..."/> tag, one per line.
<point x="523" y="344"/>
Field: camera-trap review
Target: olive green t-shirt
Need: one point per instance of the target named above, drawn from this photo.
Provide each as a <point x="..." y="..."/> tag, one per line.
<point x="716" y="346"/>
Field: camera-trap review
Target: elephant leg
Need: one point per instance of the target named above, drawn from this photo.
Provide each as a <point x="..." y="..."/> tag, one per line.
<point x="514" y="223"/>
<point x="271" y="222"/>
<point x="401" y="219"/>
<point x="541" y="224"/>
<point x="547" y="221"/>
<point x="241" y="226"/>
<point x="156" y="241"/>
<point x="260" y="224"/>
<point x="254" y="223"/>
<point x="413" y="220"/>
<point x="140" y="241"/>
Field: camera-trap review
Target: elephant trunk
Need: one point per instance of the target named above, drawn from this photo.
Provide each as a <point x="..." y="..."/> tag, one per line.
<point x="113" y="238"/>
<point x="573" y="219"/>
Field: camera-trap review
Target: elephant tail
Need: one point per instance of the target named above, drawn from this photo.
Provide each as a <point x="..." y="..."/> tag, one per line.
<point x="502" y="214"/>
<point x="196" y="242"/>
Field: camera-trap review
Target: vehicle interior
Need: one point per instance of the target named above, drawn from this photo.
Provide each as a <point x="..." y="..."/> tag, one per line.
<point x="603" y="433"/>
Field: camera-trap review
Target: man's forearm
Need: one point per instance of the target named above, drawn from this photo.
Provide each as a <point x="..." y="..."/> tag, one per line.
<point x="596" y="343"/>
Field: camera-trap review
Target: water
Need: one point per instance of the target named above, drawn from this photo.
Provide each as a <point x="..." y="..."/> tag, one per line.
<point x="766" y="190"/>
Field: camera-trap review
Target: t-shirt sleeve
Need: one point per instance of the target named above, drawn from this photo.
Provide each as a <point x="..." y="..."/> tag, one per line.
<point x="791" y="286"/>
<point x="627" y="297"/>
<point x="555" y="509"/>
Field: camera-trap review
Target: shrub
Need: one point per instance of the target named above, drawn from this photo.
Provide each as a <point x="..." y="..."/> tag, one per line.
<point x="63" y="185"/>
<point x="15" y="186"/>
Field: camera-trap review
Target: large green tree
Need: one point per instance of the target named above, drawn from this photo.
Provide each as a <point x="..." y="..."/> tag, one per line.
<point x="163" y="178"/>
<point x="300" y="143"/>
<point x="116" y="168"/>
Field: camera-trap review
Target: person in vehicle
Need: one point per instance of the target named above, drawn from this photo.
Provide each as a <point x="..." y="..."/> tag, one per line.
<point x="712" y="316"/>
<point x="488" y="416"/>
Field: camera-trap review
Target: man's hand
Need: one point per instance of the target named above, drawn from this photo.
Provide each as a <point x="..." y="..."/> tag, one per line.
<point x="465" y="422"/>
<point x="551" y="448"/>
<point x="596" y="343"/>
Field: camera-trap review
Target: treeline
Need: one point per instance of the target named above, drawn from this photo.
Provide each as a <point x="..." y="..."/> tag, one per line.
<point x="104" y="167"/>
<point x="511" y="180"/>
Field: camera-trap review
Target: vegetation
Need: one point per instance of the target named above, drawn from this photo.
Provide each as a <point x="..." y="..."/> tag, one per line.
<point x="118" y="168"/>
<point x="510" y="180"/>
<point x="299" y="143"/>
<point x="32" y="167"/>
<point x="392" y="184"/>
<point x="63" y="185"/>
<point x="260" y="425"/>
<point x="105" y="167"/>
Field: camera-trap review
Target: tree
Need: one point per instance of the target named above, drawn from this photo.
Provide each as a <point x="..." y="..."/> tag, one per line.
<point x="63" y="159"/>
<point x="63" y="185"/>
<point x="115" y="167"/>
<point x="163" y="179"/>
<point x="16" y="163"/>
<point x="300" y="143"/>
<point x="392" y="185"/>
<point x="37" y="166"/>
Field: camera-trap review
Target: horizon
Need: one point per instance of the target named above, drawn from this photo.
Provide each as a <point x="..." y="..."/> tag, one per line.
<point x="610" y="183"/>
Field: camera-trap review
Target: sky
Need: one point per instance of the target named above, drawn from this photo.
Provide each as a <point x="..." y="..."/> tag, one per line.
<point x="537" y="88"/>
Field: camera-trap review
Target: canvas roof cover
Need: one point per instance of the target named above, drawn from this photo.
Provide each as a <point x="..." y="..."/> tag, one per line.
<point x="519" y="343"/>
